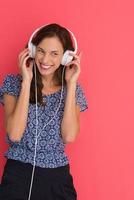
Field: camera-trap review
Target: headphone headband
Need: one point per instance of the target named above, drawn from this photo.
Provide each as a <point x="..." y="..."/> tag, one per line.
<point x="74" y="39"/>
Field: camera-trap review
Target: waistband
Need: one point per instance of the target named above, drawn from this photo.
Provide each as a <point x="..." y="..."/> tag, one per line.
<point x="25" y="169"/>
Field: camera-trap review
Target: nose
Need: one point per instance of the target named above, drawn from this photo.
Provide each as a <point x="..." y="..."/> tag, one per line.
<point x="45" y="58"/>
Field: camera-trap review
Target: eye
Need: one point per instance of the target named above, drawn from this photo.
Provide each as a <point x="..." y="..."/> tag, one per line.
<point x="54" y="53"/>
<point x="39" y="50"/>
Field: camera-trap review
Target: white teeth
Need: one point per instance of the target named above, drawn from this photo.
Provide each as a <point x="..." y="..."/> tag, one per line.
<point x="45" y="66"/>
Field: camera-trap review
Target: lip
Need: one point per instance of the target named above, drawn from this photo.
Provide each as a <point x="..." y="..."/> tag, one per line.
<point x="45" y="66"/>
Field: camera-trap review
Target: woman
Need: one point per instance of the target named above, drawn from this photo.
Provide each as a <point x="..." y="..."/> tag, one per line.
<point x="52" y="179"/>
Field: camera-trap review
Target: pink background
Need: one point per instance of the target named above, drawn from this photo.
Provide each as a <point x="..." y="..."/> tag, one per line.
<point x="102" y="158"/>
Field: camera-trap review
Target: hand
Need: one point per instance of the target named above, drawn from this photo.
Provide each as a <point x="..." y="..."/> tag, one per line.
<point x="73" y="68"/>
<point x="26" y="65"/>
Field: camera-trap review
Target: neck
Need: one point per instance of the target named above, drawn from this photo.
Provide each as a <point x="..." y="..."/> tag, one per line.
<point x="48" y="81"/>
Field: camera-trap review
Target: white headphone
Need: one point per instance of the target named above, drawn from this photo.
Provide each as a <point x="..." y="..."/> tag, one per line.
<point x="66" y="56"/>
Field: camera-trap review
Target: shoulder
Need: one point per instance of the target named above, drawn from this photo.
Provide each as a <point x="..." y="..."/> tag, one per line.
<point x="12" y="78"/>
<point x="11" y="85"/>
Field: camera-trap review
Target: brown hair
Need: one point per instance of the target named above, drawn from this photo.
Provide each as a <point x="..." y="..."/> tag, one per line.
<point x="51" y="30"/>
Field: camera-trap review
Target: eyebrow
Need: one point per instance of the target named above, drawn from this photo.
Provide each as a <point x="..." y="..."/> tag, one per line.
<point x="44" y="51"/>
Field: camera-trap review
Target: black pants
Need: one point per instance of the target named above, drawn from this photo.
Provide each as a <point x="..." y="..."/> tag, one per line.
<point x="48" y="184"/>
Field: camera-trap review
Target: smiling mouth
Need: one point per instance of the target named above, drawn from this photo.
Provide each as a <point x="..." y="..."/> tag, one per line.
<point x="45" y="66"/>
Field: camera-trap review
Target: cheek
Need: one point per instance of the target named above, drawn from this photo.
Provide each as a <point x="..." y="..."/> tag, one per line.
<point x="60" y="58"/>
<point x="37" y="58"/>
<point x="57" y="60"/>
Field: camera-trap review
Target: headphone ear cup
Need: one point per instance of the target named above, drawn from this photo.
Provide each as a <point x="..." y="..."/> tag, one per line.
<point x="67" y="57"/>
<point x="32" y="49"/>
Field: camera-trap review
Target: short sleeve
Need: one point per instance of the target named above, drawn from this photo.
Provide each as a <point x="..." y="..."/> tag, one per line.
<point x="81" y="98"/>
<point x="11" y="85"/>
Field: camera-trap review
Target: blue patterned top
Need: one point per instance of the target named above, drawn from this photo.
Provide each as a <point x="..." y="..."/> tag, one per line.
<point x="50" y="146"/>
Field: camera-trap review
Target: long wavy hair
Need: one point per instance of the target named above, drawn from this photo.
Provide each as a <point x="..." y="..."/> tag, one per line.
<point x="51" y="30"/>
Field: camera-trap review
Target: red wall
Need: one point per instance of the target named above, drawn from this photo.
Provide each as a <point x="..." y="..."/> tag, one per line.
<point x="102" y="158"/>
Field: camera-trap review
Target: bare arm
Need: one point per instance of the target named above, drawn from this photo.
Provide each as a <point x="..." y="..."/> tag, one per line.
<point x="16" y="112"/>
<point x="70" y="124"/>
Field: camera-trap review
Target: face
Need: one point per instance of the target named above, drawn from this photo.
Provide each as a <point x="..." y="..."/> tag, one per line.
<point x="48" y="55"/>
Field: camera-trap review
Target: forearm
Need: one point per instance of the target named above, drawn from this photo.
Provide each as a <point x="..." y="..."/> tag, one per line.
<point x="70" y="123"/>
<point x="17" y="121"/>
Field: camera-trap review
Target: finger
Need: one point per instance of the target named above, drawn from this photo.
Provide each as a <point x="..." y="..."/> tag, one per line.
<point x="80" y="54"/>
<point x="23" y="56"/>
<point x="77" y="57"/>
<point x="31" y="64"/>
<point x="74" y="55"/>
<point x="24" y="60"/>
<point x="68" y="64"/>
<point x="22" y="52"/>
<point x="74" y="62"/>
